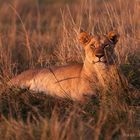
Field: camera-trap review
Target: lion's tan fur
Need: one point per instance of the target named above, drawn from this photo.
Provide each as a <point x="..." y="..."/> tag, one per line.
<point x="74" y="81"/>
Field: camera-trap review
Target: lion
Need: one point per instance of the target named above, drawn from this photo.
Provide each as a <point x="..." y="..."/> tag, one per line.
<point x="74" y="81"/>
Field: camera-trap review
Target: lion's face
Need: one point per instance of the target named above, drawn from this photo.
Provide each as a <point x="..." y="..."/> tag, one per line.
<point x="99" y="49"/>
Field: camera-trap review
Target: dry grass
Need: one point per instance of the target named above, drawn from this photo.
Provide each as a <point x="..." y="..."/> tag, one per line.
<point x="38" y="34"/>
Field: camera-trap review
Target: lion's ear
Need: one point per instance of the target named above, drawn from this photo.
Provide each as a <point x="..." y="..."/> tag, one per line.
<point x="84" y="37"/>
<point x="113" y="37"/>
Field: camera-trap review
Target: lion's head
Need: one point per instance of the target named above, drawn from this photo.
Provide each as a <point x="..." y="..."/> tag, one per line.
<point x="99" y="48"/>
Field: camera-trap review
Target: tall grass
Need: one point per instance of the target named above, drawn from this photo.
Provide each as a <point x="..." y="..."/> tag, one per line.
<point x="38" y="34"/>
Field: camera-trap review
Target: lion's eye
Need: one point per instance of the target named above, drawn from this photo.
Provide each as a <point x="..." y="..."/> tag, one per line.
<point x="107" y="46"/>
<point x="92" y="46"/>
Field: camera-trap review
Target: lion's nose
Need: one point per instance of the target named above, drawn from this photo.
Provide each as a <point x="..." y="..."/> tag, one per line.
<point x="99" y="55"/>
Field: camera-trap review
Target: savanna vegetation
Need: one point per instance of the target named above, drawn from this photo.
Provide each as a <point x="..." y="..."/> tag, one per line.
<point x="40" y="33"/>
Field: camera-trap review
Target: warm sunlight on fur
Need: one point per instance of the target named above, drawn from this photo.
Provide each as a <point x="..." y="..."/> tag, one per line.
<point x="78" y="80"/>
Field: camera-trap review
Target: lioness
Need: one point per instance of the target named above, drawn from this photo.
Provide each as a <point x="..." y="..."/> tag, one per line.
<point x="76" y="80"/>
